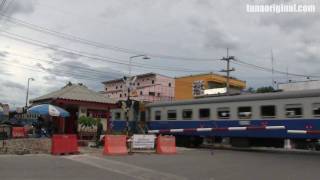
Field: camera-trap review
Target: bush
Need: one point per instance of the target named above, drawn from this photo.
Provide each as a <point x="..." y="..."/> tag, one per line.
<point x="87" y="122"/>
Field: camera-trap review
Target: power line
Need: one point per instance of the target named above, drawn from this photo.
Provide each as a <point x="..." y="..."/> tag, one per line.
<point x="57" y="73"/>
<point x="96" y="44"/>
<point x="86" y="54"/>
<point x="240" y="62"/>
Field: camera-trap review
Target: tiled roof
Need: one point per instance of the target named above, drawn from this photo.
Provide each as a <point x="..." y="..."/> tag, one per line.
<point x="76" y="92"/>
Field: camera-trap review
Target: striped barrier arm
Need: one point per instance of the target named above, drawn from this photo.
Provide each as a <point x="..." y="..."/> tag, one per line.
<point x="303" y="131"/>
<point x="216" y="129"/>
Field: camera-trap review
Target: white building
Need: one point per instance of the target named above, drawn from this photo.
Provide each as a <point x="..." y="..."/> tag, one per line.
<point x="299" y="85"/>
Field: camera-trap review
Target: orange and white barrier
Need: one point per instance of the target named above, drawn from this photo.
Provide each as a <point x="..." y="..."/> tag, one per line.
<point x="64" y="144"/>
<point x="166" y="145"/>
<point x="115" y="145"/>
<point x="18" y="132"/>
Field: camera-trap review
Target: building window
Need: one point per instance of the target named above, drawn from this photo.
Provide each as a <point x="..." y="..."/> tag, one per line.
<point x="116" y="87"/>
<point x="117" y="116"/>
<point x="244" y="112"/>
<point x="152" y="82"/>
<point x="293" y="110"/>
<point x="106" y="89"/>
<point x="268" y="111"/>
<point x="138" y="84"/>
<point x="157" y="115"/>
<point x="204" y="113"/>
<point x="158" y="94"/>
<point x="125" y="94"/>
<point x="169" y="84"/>
<point x="152" y="93"/>
<point x="187" y="114"/>
<point x="120" y="95"/>
<point x="120" y="86"/>
<point x="316" y="109"/>
<point x="141" y="93"/>
<point x="172" y="114"/>
<point x="223" y="113"/>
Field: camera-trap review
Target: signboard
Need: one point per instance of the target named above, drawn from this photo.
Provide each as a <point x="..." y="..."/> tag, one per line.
<point x="198" y="88"/>
<point x="143" y="141"/>
<point x="215" y="91"/>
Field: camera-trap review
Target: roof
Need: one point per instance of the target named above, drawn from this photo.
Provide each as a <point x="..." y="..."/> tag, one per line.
<point x="207" y="74"/>
<point x="77" y="92"/>
<point x="243" y="97"/>
<point x="138" y="76"/>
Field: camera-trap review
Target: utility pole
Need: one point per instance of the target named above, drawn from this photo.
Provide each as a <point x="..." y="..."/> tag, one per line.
<point x="272" y="63"/>
<point x="228" y="70"/>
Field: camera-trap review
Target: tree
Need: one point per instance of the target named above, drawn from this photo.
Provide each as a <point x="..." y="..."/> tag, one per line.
<point x="265" y="89"/>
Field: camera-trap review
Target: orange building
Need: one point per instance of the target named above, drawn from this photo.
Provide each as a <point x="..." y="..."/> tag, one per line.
<point x="183" y="85"/>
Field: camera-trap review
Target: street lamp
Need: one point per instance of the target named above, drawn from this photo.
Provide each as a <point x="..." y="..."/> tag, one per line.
<point x="130" y="60"/>
<point x="27" y="96"/>
<point x="129" y="81"/>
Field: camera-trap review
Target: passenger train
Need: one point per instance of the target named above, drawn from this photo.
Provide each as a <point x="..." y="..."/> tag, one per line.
<point x="297" y="111"/>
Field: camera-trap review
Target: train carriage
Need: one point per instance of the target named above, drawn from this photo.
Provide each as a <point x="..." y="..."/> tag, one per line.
<point x="298" y="112"/>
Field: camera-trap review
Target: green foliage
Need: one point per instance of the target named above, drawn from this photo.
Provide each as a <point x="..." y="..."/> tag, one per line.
<point x="87" y="122"/>
<point x="265" y="89"/>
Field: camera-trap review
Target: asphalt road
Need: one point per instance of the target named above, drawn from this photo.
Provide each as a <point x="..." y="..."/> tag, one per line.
<point x="187" y="164"/>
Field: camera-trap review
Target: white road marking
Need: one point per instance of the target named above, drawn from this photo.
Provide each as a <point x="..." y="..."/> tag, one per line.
<point x="129" y="170"/>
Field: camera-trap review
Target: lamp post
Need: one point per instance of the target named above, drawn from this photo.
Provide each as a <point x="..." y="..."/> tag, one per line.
<point x="27" y="96"/>
<point x="136" y="56"/>
<point x="129" y="83"/>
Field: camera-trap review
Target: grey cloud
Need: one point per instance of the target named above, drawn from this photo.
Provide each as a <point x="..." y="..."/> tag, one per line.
<point x="18" y="7"/>
<point x="13" y="85"/>
<point x="214" y="36"/>
<point x="3" y="54"/>
<point x="76" y="70"/>
<point x="290" y="22"/>
<point x="61" y="55"/>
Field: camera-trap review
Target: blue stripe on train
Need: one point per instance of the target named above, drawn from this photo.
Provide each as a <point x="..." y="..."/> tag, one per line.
<point x="291" y="124"/>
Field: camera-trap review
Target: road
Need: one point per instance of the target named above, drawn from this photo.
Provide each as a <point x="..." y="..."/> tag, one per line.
<point x="187" y="164"/>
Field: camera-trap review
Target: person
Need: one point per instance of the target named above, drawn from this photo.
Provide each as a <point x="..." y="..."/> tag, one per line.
<point x="38" y="127"/>
<point x="99" y="132"/>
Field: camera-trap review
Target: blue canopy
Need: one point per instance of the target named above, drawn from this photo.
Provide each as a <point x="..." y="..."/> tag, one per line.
<point x="48" y="110"/>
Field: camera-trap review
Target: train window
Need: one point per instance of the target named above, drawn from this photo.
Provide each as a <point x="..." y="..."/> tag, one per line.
<point x="187" y="114"/>
<point x="204" y="113"/>
<point x="293" y="110"/>
<point x="244" y="112"/>
<point x="172" y="114"/>
<point x="117" y="115"/>
<point x="157" y="115"/>
<point x="316" y="109"/>
<point x="268" y="111"/>
<point x="223" y="113"/>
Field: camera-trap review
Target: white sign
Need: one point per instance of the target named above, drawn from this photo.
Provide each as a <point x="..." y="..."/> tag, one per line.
<point x="142" y="141"/>
<point x="215" y="91"/>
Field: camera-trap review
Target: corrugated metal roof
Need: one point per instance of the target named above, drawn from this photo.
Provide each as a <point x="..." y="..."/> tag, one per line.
<point x="76" y="92"/>
<point x="243" y="97"/>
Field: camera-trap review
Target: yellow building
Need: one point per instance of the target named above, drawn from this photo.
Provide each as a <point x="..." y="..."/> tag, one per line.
<point x="183" y="85"/>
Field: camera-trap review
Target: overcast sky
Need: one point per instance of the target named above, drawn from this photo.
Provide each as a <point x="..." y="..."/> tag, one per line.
<point x="199" y="30"/>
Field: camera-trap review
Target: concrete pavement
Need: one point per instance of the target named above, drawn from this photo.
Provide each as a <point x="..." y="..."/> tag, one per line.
<point x="187" y="164"/>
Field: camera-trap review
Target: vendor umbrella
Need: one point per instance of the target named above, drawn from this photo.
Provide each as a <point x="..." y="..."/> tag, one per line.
<point x="48" y="110"/>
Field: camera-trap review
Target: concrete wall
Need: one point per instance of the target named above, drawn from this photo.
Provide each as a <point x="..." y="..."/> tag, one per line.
<point x="26" y="146"/>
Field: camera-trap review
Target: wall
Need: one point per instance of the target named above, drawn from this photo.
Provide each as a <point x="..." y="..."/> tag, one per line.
<point x="183" y="85"/>
<point x="26" y="146"/>
<point x="142" y="86"/>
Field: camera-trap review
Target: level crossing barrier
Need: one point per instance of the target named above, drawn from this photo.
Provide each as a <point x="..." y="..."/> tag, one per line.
<point x="64" y="144"/>
<point x="115" y="145"/>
